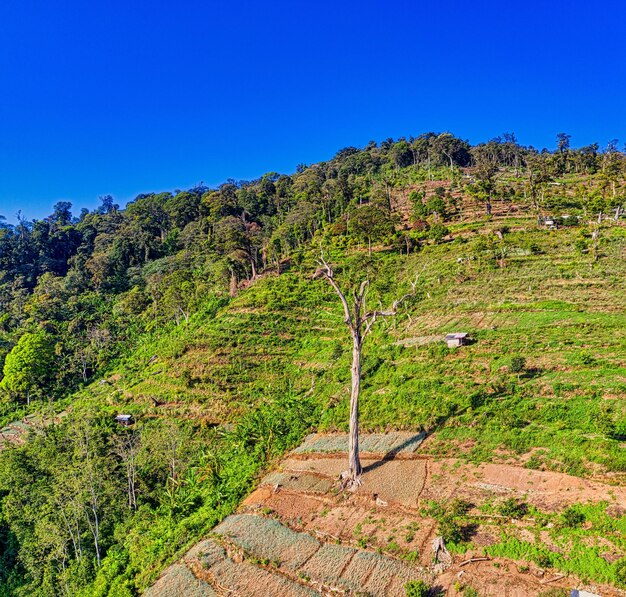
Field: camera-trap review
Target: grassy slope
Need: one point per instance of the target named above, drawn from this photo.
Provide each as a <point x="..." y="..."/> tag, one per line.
<point x="284" y="336"/>
<point x="558" y="309"/>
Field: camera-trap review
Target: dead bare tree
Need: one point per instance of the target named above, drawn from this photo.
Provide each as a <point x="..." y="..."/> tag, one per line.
<point x="360" y="322"/>
<point x="126" y="446"/>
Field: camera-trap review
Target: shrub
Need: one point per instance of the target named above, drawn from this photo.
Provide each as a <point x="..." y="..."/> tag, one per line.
<point x="572" y="518"/>
<point x="543" y="559"/>
<point x="555" y="592"/>
<point x="586" y="359"/>
<point x="581" y="245"/>
<point x="620" y="572"/>
<point x="512" y="508"/>
<point x="619" y="430"/>
<point x="458" y="507"/>
<point x="477" y="399"/>
<point x="533" y="248"/>
<point x="416" y="588"/>
<point x="450" y="530"/>
<point x="518" y="364"/>
<point x="438" y="232"/>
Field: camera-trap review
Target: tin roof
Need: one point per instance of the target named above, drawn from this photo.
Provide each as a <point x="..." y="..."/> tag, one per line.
<point x="456" y="336"/>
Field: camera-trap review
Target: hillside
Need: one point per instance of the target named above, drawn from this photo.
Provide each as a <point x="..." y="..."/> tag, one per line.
<point x="510" y="530"/>
<point x="199" y="314"/>
<point x="279" y="350"/>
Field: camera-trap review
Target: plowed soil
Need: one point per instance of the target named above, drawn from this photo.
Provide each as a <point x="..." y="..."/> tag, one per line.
<point x="300" y="533"/>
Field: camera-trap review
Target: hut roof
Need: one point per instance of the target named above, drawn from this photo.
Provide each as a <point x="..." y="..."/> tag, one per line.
<point x="456" y="336"/>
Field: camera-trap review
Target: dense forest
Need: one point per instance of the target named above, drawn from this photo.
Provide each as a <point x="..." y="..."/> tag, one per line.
<point x="81" y="293"/>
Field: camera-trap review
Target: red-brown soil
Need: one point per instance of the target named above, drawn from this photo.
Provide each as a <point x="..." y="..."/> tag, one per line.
<point x="299" y="532"/>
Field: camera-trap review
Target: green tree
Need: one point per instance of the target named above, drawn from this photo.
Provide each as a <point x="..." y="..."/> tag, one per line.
<point x="563" y="152"/>
<point x="486" y="167"/>
<point x="29" y="367"/>
<point x="370" y="223"/>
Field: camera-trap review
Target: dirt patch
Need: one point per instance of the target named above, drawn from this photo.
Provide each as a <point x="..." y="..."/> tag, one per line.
<point x="546" y="490"/>
<point x="336" y="567"/>
<point x="268" y="539"/>
<point x="179" y="581"/>
<point x="393" y="481"/>
<point x="298" y="533"/>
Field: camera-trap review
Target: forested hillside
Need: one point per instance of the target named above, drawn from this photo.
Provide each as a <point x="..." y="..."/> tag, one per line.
<point x="198" y="313"/>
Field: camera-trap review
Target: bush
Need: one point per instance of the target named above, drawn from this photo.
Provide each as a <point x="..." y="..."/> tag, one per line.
<point x="416" y="588"/>
<point x="437" y="232"/>
<point x="512" y="508"/>
<point x="450" y="530"/>
<point x="544" y="559"/>
<point x="620" y="572"/>
<point x="458" y="507"/>
<point x="581" y="246"/>
<point x="586" y="359"/>
<point x="619" y="430"/>
<point x="518" y="364"/>
<point x="477" y="399"/>
<point x="555" y="592"/>
<point x="572" y="518"/>
<point x="533" y="248"/>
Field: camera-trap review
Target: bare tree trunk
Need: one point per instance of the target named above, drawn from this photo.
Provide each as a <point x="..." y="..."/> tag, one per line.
<point x="77" y="555"/>
<point x="95" y="527"/>
<point x="354" y="462"/>
<point x="359" y="321"/>
<point x="595" y="237"/>
<point x="233" y="284"/>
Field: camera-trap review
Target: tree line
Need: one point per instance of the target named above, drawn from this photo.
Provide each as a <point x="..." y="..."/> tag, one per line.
<point x="74" y="289"/>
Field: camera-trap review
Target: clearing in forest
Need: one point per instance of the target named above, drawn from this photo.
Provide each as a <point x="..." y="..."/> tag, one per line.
<point x="510" y="530"/>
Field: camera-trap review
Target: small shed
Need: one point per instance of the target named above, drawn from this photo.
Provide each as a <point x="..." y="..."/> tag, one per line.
<point x="457" y="339"/>
<point x="549" y="222"/>
<point x="125" y="420"/>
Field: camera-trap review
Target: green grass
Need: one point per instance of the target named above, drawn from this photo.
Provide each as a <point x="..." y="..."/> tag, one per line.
<point x="576" y="540"/>
<point x="282" y="341"/>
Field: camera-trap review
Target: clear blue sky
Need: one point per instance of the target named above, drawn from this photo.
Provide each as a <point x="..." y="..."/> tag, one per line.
<point x="122" y="97"/>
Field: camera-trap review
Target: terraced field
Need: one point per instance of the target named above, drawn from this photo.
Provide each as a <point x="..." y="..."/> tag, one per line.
<point x="298" y="534"/>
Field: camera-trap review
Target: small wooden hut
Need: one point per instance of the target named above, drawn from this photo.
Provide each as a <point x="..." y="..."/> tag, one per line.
<point x="457" y="339"/>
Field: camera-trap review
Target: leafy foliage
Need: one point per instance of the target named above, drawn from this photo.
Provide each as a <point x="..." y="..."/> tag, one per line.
<point x="416" y="588"/>
<point x="195" y="311"/>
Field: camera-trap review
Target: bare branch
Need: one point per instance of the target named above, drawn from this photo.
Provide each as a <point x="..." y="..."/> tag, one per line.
<point x="370" y="318"/>
<point x="329" y="274"/>
<point x="368" y="325"/>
